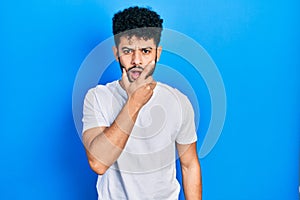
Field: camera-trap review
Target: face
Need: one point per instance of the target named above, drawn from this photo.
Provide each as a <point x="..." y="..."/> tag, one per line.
<point x="136" y="53"/>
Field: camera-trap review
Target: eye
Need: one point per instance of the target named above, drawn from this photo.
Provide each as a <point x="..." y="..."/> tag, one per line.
<point x="146" y="51"/>
<point x="127" y="51"/>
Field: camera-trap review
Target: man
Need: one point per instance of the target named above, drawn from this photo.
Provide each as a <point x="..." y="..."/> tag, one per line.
<point x="133" y="126"/>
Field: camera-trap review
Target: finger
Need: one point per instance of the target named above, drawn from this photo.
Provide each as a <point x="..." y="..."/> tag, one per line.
<point x="147" y="70"/>
<point x="125" y="78"/>
<point x="152" y="85"/>
<point x="144" y="82"/>
<point x="148" y="80"/>
<point x="149" y="92"/>
<point x="148" y="87"/>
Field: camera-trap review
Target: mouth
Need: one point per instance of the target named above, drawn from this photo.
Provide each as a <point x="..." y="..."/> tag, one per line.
<point x="135" y="73"/>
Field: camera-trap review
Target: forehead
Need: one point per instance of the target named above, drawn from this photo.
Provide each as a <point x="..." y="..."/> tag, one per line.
<point x="136" y="42"/>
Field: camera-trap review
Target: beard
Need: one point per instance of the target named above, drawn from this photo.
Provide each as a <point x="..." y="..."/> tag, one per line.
<point x="137" y="67"/>
<point x="134" y="68"/>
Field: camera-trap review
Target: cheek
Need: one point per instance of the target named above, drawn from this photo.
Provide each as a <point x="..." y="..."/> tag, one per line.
<point x="125" y="60"/>
<point x="149" y="58"/>
<point x="153" y="54"/>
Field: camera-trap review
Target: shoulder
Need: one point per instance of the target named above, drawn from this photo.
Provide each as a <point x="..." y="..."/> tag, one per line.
<point x="169" y="90"/>
<point x="101" y="91"/>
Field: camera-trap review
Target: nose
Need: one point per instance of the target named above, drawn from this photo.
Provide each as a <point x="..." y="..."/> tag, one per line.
<point x="136" y="58"/>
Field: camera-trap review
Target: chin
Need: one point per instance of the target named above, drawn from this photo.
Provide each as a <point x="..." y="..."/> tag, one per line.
<point x="132" y="80"/>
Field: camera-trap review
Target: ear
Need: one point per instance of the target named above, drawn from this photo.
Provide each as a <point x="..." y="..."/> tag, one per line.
<point x="115" y="50"/>
<point x="159" y="50"/>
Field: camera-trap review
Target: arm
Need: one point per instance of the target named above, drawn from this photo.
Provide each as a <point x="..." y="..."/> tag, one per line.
<point x="105" y="144"/>
<point x="191" y="172"/>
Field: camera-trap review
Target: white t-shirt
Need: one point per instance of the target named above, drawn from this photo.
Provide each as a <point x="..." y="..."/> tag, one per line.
<point x="146" y="167"/>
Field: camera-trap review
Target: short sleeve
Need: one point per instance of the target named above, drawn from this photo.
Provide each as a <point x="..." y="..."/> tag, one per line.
<point x="187" y="132"/>
<point x="92" y="112"/>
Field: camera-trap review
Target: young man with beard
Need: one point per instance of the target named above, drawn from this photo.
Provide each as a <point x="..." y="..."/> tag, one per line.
<point x="132" y="127"/>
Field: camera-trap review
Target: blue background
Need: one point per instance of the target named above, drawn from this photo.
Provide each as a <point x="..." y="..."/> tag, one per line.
<point x="255" y="45"/>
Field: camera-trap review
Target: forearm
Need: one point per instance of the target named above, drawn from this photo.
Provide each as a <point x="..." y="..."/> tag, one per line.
<point x="192" y="183"/>
<point x="105" y="146"/>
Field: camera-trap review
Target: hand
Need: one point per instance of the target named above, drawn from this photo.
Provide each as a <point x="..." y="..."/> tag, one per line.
<point x="140" y="91"/>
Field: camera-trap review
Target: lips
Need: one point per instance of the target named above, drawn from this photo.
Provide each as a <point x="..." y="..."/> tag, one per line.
<point x="135" y="73"/>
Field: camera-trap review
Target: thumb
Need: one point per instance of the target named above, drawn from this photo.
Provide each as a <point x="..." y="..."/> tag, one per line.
<point x="125" y="78"/>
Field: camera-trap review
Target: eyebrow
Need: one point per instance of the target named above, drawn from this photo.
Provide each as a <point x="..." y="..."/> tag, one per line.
<point x="126" y="48"/>
<point x="147" y="48"/>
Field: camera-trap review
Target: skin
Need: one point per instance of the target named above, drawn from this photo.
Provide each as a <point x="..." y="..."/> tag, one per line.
<point x="105" y="144"/>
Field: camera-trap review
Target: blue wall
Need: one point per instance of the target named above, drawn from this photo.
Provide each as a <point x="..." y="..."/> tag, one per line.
<point x="255" y="45"/>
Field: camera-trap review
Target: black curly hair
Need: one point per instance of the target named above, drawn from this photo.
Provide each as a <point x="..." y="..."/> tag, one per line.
<point x="136" y="21"/>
